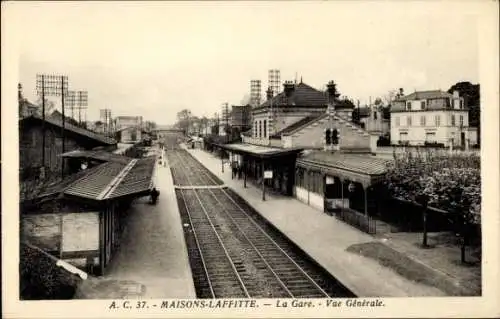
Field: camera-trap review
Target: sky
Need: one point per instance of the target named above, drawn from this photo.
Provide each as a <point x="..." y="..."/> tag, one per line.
<point x="155" y="59"/>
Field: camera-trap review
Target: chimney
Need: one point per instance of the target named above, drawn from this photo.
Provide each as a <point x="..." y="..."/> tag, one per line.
<point x="20" y="92"/>
<point x="288" y="88"/>
<point x="401" y="92"/>
<point x="269" y="94"/>
<point x="456" y="95"/>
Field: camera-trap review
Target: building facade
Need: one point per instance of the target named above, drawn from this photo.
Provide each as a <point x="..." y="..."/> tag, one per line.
<point x="31" y="131"/>
<point x="128" y="121"/>
<point x="429" y="117"/>
<point x="241" y="117"/>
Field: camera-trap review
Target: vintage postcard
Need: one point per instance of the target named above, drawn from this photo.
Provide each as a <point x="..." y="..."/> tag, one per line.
<point x="250" y="159"/>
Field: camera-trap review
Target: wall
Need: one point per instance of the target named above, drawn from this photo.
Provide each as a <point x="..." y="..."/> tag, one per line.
<point x="284" y="119"/>
<point x="309" y="198"/>
<point x="417" y="133"/>
<point x="30" y="148"/>
<point x="313" y="136"/>
<point x="79" y="239"/>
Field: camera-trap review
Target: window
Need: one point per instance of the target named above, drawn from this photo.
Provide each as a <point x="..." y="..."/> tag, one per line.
<point x="265" y="128"/>
<point x="437" y="120"/>
<point x="408" y="121"/>
<point x="328" y="139"/>
<point x="260" y="129"/>
<point x="335" y="137"/>
<point x="422" y="105"/>
<point x="255" y="129"/>
<point x="452" y="120"/>
<point x="461" y="120"/>
<point x="403" y="136"/>
<point x="461" y="104"/>
<point x="430" y="137"/>
<point x="375" y="115"/>
<point x="422" y="120"/>
<point x="398" y="123"/>
<point x="408" y="106"/>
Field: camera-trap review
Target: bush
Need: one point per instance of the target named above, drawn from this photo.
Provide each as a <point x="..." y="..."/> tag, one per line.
<point x="384" y="141"/>
<point x="434" y="144"/>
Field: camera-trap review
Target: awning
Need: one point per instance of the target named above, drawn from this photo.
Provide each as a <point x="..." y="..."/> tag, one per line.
<point x="259" y="150"/>
<point x="365" y="169"/>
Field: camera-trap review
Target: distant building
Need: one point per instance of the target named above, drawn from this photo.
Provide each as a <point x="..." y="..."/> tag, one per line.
<point x="373" y="121"/>
<point x="128" y="121"/>
<point x="241" y="116"/>
<point x="31" y="141"/>
<point x="431" y="117"/>
<point x="298" y="117"/>
<point x="129" y="135"/>
<point x="26" y="108"/>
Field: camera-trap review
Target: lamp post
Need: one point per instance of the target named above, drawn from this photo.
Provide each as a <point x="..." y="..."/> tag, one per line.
<point x="52" y="85"/>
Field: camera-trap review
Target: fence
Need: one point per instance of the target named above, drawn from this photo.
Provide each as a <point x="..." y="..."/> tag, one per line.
<point x="362" y="222"/>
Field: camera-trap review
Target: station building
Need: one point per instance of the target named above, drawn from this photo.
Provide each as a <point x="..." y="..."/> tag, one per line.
<point x="302" y="145"/>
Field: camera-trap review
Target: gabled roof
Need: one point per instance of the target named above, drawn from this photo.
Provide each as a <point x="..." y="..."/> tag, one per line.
<point x="424" y="95"/>
<point x="302" y="95"/>
<point x="71" y="128"/>
<point x="297" y="126"/>
<point x="106" y="181"/>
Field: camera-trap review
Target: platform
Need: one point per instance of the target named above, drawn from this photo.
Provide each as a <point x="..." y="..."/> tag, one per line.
<point x="322" y="237"/>
<point x="153" y="254"/>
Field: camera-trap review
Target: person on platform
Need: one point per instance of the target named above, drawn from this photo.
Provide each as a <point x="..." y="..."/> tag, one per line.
<point x="154" y="195"/>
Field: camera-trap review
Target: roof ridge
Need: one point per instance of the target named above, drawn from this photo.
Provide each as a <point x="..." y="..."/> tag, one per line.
<point x="116" y="180"/>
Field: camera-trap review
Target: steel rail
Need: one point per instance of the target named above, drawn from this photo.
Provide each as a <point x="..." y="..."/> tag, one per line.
<point x="221" y="243"/>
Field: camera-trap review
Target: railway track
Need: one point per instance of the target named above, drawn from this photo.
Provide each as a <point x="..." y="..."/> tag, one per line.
<point x="234" y="252"/>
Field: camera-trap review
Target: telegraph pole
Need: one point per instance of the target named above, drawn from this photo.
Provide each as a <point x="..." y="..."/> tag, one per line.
<point x="51" y="85"/>
<point x="63" y="126"/>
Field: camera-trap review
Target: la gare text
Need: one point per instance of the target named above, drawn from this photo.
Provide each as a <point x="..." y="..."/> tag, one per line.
<point x="246" y="303"/>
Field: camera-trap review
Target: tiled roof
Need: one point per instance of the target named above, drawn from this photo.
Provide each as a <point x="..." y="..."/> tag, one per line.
<point x="297" y="125"/>
<point x="103" y="156"/>
<point x="302" y="95"/>
<point x="260" y="151"/>
<point x="361" y="164"/>
<point x="60" y="186"/>
<point x="72" y="128"/>
<point x="95" y="184"/>
<point x="138" y="179"/>
<point x="113" y="180"/>
<point x="423" y="95"/>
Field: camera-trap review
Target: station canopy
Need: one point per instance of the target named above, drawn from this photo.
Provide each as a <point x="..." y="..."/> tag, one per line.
<point x="260" y="151"/>
<point x="107" y="181"/>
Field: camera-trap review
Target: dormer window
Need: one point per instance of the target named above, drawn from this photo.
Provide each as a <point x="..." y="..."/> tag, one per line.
<point x="423" y="105"/>
<point x="408" y="106"/>
<point x="461" y="104"/>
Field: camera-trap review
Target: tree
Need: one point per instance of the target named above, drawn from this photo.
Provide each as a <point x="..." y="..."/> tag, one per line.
<point x="471" y="94"/>
<point x="49" y="105"/>
<point x="345" y="103"/>
<point x="246" y="100"/>
<point x="356" y="116"/>
<point x="378" y="102"/>
<point x="183" y="120"/>
<point x="448" y="182"/>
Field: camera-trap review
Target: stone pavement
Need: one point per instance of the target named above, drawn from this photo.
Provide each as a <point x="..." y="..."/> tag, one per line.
<point x="152" y="261"/>
<point x="324" y="238"/>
